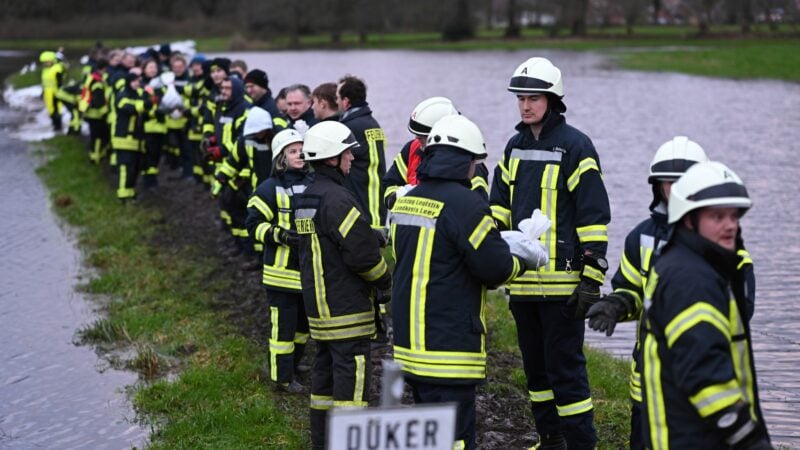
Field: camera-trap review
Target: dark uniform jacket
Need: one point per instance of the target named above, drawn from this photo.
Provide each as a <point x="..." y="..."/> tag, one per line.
<point x="267" y="103"/>
<point x="696" y="346"/>
<point x="131" y="107"/>
<point x="448" y="251"/>
<point x="404" y="171"/>
<point x="271" y="205"/>
<point x="642" y="246"/>
<point x="340" y="260"/>
<point x="247" y="166"/>
<point x="307" y="117"/>
<point x="369" y="164"/>
<point x="560" y="174"/>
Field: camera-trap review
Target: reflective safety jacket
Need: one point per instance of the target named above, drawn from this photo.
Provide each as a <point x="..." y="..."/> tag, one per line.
<point x="196" y="95"/>
<point x="271" y="205"/>
<point x="404" y="171"/>
<point x="696" y="345"/>
<point x="230" y="117"/>
<point x="369" y="163"/>
<point x="155" y="121"/>
<point x="642" y="246"/>
<point x="448" y="250"/>
<point x="131" y="106"/>
<point x="95" y="97"/>
<point x="340" y="260"/>
<point x="558" y="173"/>
<point x="52" y="79"/>
<point x="247" y="166"/>
<point x="267" y="103"/>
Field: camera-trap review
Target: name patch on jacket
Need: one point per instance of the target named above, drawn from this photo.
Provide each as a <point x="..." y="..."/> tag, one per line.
<point x="304" y="220"/>
<point x="417" y="206"/>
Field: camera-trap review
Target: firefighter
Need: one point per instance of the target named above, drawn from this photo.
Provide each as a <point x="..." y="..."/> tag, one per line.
<point x="196" y="93"/>
<point x="340" y="263"/>
<point x="256" y="83"/>
<point x="369" y="165"/>
<point x="52" y="79"/>
<point x="625" y="302"/>
<point x="95" y="104"/>
<point x="403" y="173"/>
<point x="270" y="220"/>
<point x="132" y="105"/>
<point x="177" y="139"/>
<point x="448" y="252"/>
<point x="698" y="373"/>
<point x="155" y="124"/>
<point x="69" y="95"/>
<point x="554" y="167"/>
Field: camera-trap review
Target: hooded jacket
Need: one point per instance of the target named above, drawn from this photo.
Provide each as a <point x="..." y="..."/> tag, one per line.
<point x="340" y="260"/>
<point x="369" y="163"/>
<point x="448" y="252"/>
<point x="231" y="116"/>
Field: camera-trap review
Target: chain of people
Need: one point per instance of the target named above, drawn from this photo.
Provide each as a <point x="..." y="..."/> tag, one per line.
<point x="305" y="196"/>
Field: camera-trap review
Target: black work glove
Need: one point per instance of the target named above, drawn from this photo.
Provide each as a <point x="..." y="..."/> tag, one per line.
<point x="383" y="236"/>
<point x="583" y="297"/>
<point x="604" y="315"/>
<point x="383" y="296"/>
<point x="284" y="236"/>
<point x="390" y="200"/>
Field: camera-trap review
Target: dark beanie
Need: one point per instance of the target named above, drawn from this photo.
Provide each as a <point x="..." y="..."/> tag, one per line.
<point x="130" y="76"/>
<point x="222" y="63"/>
<point x="165" y="50"/>
<point x="257" y="77"/>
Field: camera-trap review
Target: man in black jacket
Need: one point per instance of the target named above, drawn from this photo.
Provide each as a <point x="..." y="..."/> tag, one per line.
<point x="340" y="265"/>
<point x="369" y="164"/>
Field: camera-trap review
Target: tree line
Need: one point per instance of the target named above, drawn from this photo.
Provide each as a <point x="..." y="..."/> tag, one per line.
<point x="454" y="19"/>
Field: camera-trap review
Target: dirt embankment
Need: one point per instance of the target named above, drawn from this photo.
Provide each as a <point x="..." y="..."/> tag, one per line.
<point x="191" y="219"/>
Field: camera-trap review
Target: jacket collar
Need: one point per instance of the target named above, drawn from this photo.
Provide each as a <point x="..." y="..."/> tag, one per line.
<point x="445" y="163"/>
<point x="724" y="261"/>
<point x="553" y="120"/>
<point x="326" y="171"/>
<point x="356" y="111"/>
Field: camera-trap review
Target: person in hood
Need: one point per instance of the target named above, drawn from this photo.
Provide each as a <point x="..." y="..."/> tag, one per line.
<point x="369" y="164"/>
<point x="449" y="252"/>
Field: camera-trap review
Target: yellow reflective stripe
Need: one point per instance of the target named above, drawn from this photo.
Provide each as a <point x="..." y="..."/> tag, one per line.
<point x="419" y="287"/>
<point x="630" y="272"/>
<point x="592" y="233"/>
<point x="585" y="165"/>
<point x="319" y="278"/>
<point x="479" y="233"/>
<point x="595" y="274"/>
<point x="448" y="371"/>
<point x="442" y="364"/>
<point x="358" y="389"/>
<point x="348" y="221"/>
<point x="125" y="143"/>
<point x="321" y="402"/>
<point x="515" y="270"/>
<point x="374" y="135"/>
<point x="575" y="408"/>
<point x="261" y="231"/>
<point x="712" y="399"/>
<point x="376" y="272"/>
<point x="541" y="396"/>
<point x="693" y="315"/>
<point x="227" y="169"/>
<point x="556" y="290"/>
<point x="479" y="182"/>
<point x="548" y="277"/>
<point x="401" y="166"/>
<point x="280" y="122"/>
<point x="239" y="232"/>
<point x="389" y="191"/>
<point x="549" y="203"/>
<point x="440" y="356"/>
<point x="256" y="202"/>
<point x="347" y="404"/>
<point x="459" y="445"/>
<point x="363" y="330"/>
<point x="745" y="255"/>
<point x="505" y="175"/>
<point x="656" y="413"/>
<point x="300" y="338"/>
<point x="341" y="321"/>
<point x="502" y="215"/>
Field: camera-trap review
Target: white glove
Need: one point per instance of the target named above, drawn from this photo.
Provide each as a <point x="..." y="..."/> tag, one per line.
<point x="403" y="190"/>
<point x="531" y="252"/>
<point x="301" y="126"/>
<point x="536" y="225"/>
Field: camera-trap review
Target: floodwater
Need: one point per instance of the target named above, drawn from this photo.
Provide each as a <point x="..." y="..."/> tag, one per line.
<point x="753" y="126"/>
<point x="750" y="125"/>
<point x="53" y="394"/>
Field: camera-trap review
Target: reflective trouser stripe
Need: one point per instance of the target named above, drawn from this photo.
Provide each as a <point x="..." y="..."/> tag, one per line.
<point x="575" y="408"/>
<point x="541" y="396"/>
<point x="321" y="402"/>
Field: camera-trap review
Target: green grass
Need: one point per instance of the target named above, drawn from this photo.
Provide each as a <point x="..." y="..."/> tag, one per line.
<point x="161" y="309"/>
<point x="608" y="376"/>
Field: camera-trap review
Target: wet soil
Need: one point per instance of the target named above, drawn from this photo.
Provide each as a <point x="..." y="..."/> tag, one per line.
<point x="191" y="220"/>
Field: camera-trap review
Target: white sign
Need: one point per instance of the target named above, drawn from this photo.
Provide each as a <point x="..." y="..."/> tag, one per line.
<point x="424" y="427"/>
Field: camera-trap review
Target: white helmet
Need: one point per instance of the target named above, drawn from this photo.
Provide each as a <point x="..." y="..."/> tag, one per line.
<point x="258" y="120"/>
<point x="283" y="139"/>
<point x="326" y="140"/>
<point x="457" y="131"/>
<point x="537" y="75"/>
<point x="705" y="184"/>
<point x="674" y="157"/>
<point x="428" y="112"/>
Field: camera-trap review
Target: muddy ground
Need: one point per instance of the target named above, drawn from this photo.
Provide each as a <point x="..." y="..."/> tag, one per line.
<point x="191" y="219"/>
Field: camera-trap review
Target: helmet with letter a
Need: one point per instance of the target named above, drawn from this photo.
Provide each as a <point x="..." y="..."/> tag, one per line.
<point x="428" y="112"/>
<point x="539" y="75"/>
<point x="707" y="184"/>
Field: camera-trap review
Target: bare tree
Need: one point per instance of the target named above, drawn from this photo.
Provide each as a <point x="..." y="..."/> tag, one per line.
<point x="512" y="15"/>
<point x="577" y="21"/>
